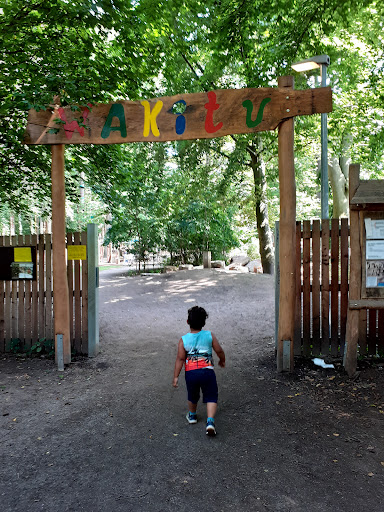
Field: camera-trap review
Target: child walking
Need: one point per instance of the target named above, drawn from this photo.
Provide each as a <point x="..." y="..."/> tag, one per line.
<point x="195" y="350"/>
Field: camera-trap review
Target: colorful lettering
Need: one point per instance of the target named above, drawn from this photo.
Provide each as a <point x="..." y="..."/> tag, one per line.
<point x="117" y="110"/>
<point x="211" y="106"/>
<point x="69" y="128"/>
<point x="150" y="117"/>
<point x="249" y="106"/>
<point x="180" y="119"/>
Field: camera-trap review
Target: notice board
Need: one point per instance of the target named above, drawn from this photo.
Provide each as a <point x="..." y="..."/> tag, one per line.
<point x="18" y="263"/>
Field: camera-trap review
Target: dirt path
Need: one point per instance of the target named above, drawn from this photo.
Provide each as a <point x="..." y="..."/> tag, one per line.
<point x="110" y="435"/>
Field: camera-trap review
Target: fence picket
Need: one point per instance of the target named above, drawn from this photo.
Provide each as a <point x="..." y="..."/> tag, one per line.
<point x="2" y="311"/>
<point x="344" y="257"/>
<point x="28" y="307"/>
<point x="306" y="288"/>
<point x="77" y="285"/>
<point x="70" y="289"/>
<point x="297" y="331"/>
<point x="41" y="293"/>
<point x="84" y="299"/>
<point x="14" y="310"/>
<point x="325" y="287"/>
<point x="372" y="319"/>
<point x="35" y="311"/>
<point x="21" y="301"/>
<point x="48" y="288"/>
<point x="316" y="287"/>
<point x="334" y="287"/>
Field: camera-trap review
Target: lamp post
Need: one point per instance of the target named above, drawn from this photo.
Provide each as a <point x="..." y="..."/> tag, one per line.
<point x="322" y="62"/>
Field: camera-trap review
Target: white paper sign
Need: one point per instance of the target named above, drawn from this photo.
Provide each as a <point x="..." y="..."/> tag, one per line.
<point x="375" y="250"/>
<point x="374" y="228"/>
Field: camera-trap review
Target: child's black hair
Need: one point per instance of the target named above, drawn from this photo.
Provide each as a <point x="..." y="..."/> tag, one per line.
<point x="197" y="317"/>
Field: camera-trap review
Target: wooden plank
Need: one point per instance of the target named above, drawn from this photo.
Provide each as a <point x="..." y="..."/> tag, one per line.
<point x="84" y="299"/>
<point x="325" y="287"/>
<point x="380" y="333"/>
<point x="369" y="192"/>
<point x="334" y="287"/>
<point x="48" y="288"/>
<point x="60" y="283"/>
<point x="41" y="295"/>
<point x="28" y="307"/>
<point x="366" y="304"/>
<point x="14" y="308"/>
<point x="2" y="310"/>
<point x="372" y="319"/>
<point x="344" y="257"/>
<point x="7" y="305"/>
<point x="207" y="115"/>
<point x="35" y="310"/>
<point x="297" y="332"/>
<point x="287" y="185"/>
<point x="316" y="287"/>
<point x="362" y="331"/>
<point x="21" y="300"/>
<point x="306" y="288"/>
<point x="352" y="333"/>
<point x="77" y="287"/>
<point x="70" y="291"/>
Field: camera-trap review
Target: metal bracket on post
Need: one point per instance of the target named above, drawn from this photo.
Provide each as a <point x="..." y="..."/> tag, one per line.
<point x="287" y="356"/>
<point x="60" y="352"/>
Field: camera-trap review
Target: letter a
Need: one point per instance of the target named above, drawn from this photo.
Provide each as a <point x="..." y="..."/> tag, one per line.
<point x="150" y="117"/>
<point x="117" y="110"/>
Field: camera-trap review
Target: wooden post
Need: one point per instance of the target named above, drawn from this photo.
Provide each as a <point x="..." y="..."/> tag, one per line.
<point x="60" y="284"/>
<point x="352" y="331"/>
<point x="93" y="290"/>
<point x="287" y="236"/>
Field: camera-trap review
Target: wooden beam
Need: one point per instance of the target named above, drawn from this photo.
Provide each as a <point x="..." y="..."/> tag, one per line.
<point x="287" y="235"/>
<point x="352" y="331"/>
<point x="185" y="116"/>
<point x="60" y="284"/>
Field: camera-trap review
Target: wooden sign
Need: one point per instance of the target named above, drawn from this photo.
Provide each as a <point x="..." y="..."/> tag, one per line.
<point x="185" y="116"/>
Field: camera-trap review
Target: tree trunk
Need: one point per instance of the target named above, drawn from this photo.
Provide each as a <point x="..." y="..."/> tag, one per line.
<point x="338" y="171"/>
<point x="261" y="207"/>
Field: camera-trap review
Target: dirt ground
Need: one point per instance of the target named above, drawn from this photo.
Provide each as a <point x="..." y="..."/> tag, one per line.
<point x="109" y="434"/>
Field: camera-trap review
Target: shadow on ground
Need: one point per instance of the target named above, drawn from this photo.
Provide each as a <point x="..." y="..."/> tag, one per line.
<point x="109" y="434"/>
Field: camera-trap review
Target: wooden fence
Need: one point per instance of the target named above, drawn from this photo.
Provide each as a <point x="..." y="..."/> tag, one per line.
<point x="322" y="262"/>
<point x="26" y="307"/>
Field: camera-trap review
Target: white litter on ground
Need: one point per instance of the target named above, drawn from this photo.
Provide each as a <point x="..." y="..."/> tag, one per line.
<point x="320" y="362"/>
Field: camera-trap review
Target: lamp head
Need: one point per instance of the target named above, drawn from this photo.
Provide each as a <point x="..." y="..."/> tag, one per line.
<point x="311" y="63"/>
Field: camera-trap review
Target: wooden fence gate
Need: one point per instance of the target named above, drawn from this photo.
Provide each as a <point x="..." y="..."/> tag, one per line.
<point x="322" y="262"/>
<point x="26" y="306"/>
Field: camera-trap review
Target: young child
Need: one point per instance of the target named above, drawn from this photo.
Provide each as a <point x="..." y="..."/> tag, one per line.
<point x="195" y="350"/>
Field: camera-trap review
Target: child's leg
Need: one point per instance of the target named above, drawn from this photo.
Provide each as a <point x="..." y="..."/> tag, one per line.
<point x="211" y="409"/>
<point x="192" y="407"/>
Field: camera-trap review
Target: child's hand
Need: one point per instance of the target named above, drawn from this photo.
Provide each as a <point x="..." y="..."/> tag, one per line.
<point x="222" y="364"/>
<point x="175" y="382"/>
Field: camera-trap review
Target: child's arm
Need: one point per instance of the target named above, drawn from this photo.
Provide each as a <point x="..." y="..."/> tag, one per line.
<point x="219" y="351"/>
<point x="180" y="360"/>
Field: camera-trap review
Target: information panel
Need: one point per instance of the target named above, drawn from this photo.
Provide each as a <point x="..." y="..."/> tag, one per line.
<point x="17" y="263"/>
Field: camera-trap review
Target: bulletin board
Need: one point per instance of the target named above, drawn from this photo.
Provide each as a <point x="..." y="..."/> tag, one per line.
<point x="18" y="263"/>
<point x="372" y="255"/>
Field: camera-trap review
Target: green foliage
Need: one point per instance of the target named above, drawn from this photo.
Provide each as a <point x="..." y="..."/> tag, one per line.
<point x="42" y="347"/>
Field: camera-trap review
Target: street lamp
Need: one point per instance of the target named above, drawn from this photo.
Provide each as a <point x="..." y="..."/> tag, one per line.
<point x="322" y="62"/>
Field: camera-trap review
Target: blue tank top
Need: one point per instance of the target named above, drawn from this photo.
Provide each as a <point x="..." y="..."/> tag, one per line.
<point x="198" y="346"/>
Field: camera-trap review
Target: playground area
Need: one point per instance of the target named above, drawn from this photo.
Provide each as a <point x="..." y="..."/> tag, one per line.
<point x="109" y="433"/>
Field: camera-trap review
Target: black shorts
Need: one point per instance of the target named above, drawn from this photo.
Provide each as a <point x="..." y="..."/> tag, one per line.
<point x="204" y="379"/>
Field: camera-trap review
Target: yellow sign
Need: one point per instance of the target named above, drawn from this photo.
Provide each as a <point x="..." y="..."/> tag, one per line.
<point x="77" y="252"/>
<point x="22" y="254"/>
